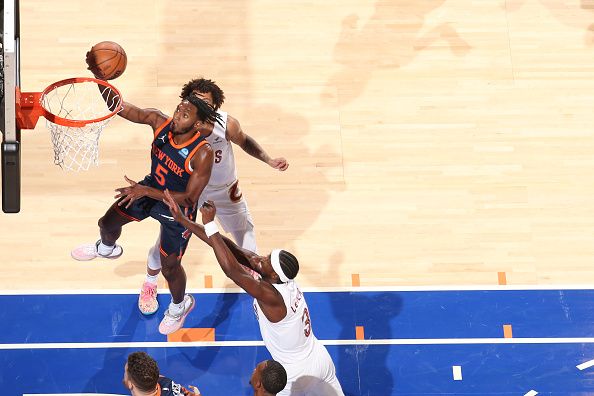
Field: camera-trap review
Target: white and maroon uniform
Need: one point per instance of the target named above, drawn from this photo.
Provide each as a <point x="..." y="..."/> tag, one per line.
<point x="223" y="189"/>
<point x="291" y="342"/>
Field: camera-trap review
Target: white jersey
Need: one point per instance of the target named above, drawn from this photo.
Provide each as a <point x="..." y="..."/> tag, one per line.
<point x="223" y="171"/>
<point x="291" y="339"/>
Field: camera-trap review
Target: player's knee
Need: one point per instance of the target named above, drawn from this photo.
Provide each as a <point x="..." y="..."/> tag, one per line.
<point x="103" y="224"/>
<point x="169" y="264"/>
<point x="106" y="225"/>
<point x="166" y="270"/>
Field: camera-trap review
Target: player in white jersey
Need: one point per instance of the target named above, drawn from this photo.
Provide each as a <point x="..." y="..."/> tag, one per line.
<point x="280" y="306"/>
<point x="223" y="187"/>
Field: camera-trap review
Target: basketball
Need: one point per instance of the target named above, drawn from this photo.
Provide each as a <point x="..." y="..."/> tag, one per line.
<point x="107" y="60"/>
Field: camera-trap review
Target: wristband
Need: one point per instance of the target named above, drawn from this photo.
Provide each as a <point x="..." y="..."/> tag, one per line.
<point x="211" y="229"/>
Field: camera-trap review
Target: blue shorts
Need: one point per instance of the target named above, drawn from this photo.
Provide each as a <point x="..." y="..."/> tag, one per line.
<point x="174" y="237"/>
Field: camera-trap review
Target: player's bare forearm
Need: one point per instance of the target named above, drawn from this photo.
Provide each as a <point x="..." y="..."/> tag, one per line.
<point x="198" y="229"/>
<point x="225" y="257"/>
<point x="152" y="117"/>
<point x="130" y="112"/>
<point x="110" y="97"/>
<point x="263" y="292"/>
<point x="236" y="251"/>
<point x="254" y="149"/>
<point x="179" y="197"/>
<point x="241" y="255"/>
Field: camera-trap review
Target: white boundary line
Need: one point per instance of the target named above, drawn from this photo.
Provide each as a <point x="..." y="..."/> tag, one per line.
<point x="311" y="289"/>
<point x="403" y="341"/>
<point x="585" y="365"/>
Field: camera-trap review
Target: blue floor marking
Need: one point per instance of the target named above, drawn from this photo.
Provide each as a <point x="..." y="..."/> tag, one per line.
<point x="488" y="369"/>
<point x="378" y="370"/>
<point x="435" y="314"/>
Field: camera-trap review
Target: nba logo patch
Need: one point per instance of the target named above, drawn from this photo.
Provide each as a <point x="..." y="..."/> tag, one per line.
<point x="183" y="152"/>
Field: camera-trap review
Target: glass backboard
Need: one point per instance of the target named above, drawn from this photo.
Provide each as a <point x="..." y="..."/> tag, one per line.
<point x="11" y="134"/>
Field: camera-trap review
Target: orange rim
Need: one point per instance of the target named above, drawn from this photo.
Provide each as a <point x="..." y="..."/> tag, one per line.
<point x="78" y="123"/>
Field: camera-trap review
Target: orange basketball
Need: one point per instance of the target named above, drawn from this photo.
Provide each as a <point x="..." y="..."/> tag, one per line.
<point x="107" y="60"/>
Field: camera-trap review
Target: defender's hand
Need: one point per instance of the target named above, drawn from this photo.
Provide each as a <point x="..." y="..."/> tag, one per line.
<point x="173" y="207"/>
<point x="208" y="211"/>
<point x="92" y="66"/>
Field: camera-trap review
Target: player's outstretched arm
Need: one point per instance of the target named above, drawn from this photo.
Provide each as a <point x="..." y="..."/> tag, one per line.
<point x="240" y="254"/>
<point x="262" y="291"/>
<point x="152" y="117"/>
<point x="250" y="146"/>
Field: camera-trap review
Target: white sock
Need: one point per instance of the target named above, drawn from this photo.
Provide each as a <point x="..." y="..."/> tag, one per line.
<point x="152" y="278"/>
<point x="176" y="309"/>
<point x="105" y="250"/>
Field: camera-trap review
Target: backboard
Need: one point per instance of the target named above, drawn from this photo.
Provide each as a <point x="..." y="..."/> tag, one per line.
<point x="10" y="75"/>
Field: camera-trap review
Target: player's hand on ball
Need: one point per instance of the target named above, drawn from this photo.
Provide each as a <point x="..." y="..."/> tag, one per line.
<point x="107" y="60"/>
<point x="208" y="211"/>
<point x="92" y="66"/>
<point x="173" y="207"/>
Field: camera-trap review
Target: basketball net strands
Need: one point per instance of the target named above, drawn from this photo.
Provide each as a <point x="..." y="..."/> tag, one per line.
<point x="76" y="110"/>
<point x="75" y="113"/>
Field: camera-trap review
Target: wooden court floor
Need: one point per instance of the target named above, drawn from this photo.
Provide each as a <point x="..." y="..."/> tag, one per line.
<point x="430" y="142"/>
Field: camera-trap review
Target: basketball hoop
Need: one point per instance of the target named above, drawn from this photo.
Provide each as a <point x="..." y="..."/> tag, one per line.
<point x="76" y="112"/>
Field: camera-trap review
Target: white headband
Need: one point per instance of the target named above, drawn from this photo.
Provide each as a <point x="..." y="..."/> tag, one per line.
<point x="275" y="260"/>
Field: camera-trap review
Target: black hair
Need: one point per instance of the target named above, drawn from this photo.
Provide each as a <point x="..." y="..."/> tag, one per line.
<point x="206" y="113"/>
<point x="274" y="377"/>
<point x="203" y="85"/>
<point x="289" y="264"/>
<point x="143" y="371"/>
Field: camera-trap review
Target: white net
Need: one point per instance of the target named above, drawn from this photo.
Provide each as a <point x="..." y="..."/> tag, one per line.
<point x="76" y="148"/>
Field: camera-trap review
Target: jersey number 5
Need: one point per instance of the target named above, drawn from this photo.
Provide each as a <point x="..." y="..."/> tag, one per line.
<point x="160" y="173"/>
<point x="306" y="322"/>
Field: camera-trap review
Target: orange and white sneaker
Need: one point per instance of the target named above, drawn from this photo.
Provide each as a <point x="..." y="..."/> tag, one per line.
<point x="147" y="300"/>
<point x="89" y="251"/>
<point x="172" y="323"/>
